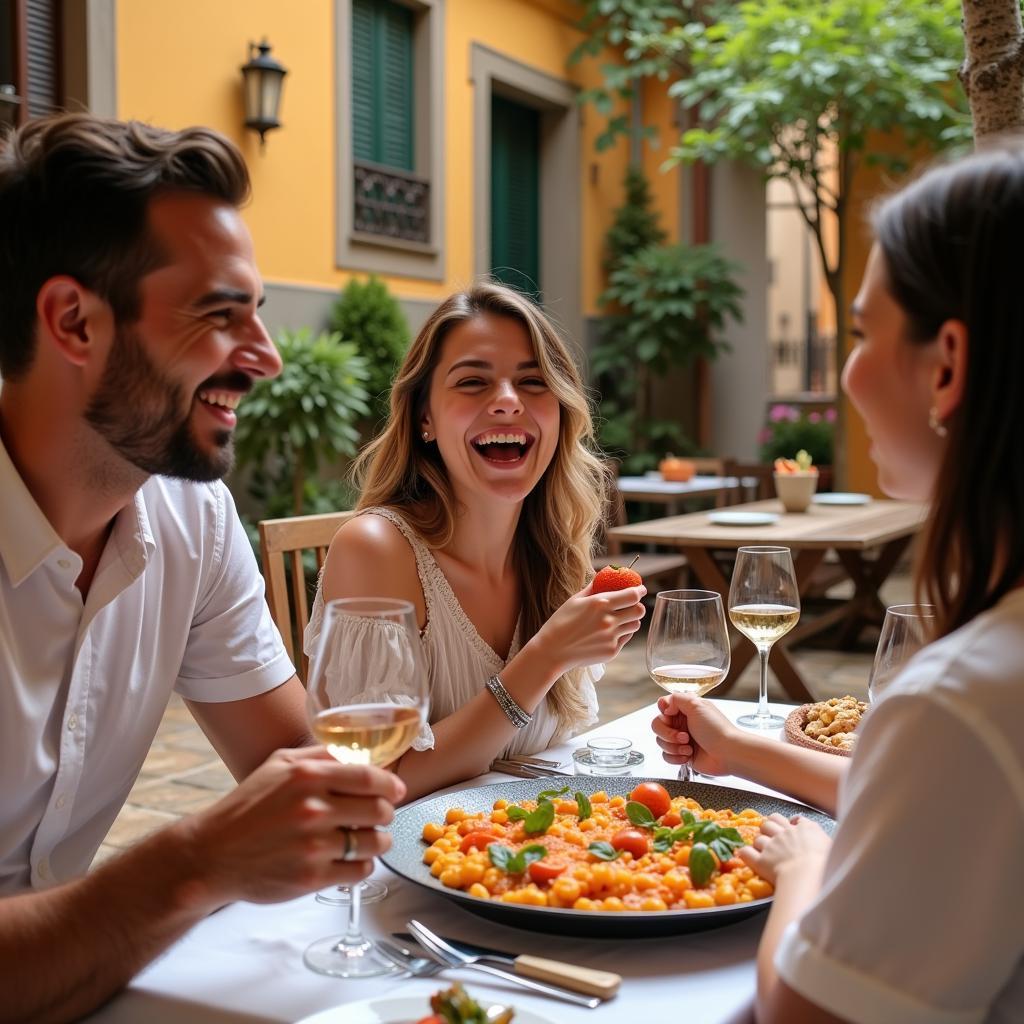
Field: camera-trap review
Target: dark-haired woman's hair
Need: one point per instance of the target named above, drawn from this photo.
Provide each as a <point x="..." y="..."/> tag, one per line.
<point x="951" y="243"/>
<point x="74" y="193"/>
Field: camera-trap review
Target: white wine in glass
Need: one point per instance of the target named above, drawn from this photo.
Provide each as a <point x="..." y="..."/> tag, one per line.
<point x="688" y="645"/>
<point x="367" y="699"/>
<point x="764" y="605"/>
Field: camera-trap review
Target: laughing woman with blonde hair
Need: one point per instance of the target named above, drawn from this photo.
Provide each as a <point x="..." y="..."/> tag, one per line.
<point x="479" y="503"/>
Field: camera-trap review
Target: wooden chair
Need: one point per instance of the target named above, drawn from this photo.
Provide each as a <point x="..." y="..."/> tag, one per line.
<point x="288" y="539"/>
<point x="671" y="568"/>
<point x="756" y="482"/>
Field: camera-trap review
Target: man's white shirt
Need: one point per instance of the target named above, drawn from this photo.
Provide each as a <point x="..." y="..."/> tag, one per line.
<point x="176" y="605"/>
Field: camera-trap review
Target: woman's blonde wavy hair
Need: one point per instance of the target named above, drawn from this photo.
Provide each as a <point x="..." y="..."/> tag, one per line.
<point x="562" y="515"/>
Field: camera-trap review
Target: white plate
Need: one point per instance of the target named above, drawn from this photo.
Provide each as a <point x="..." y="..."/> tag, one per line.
<point x="743" y="518"/>
<point x="841" y="498"/>
<point x="397" y="1010"/>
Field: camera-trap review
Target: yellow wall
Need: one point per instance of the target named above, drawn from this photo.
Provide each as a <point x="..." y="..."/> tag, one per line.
<point x="178" y="64"/>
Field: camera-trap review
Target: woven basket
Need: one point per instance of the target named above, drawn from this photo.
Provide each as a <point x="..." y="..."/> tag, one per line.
<point x="794" y="730"/>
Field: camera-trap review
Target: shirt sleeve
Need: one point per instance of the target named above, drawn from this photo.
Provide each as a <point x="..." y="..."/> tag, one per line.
<point x="921" y="914"/>
<point x="234" y="650"/>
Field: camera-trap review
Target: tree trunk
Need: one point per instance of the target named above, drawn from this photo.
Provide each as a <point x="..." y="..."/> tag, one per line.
<point x="993" y="69"/>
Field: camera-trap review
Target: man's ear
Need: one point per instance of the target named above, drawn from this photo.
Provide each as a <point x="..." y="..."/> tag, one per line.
<point x="76" y="320"/>
<point x="950" y="375"/>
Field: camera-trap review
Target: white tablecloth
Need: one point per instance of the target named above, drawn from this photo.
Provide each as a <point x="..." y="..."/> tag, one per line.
<point x="243" y="965"/>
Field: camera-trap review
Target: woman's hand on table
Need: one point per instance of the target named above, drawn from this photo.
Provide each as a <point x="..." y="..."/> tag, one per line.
<point x="284" y="831"/>
<point x="589" y="629"/>
<point x="692" y="730"/>
<point x="787" y="844"/>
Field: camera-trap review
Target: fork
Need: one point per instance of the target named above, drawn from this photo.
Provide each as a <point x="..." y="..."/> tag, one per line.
<point x="451" y="957"/>
<point x="525" y="771"/>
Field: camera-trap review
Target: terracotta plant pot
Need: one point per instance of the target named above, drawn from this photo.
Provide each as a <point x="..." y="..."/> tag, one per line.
<point x="795" y="490"/>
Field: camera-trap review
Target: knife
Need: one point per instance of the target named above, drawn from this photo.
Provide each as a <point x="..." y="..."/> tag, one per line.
<point x="578" y="979"/>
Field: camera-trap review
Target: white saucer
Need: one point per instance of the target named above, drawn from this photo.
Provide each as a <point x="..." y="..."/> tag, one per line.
<point x="399" y="1010"/>
<point x="841" y="498"/>
<point x="742" y="518"/>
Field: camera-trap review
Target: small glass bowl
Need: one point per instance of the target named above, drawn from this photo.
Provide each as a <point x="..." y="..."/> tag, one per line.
<point x="606" y="755"/>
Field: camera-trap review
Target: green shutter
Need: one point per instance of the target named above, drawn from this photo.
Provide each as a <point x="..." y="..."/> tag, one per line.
<point x="382" y="73"/>
<point x="515" y="195"/>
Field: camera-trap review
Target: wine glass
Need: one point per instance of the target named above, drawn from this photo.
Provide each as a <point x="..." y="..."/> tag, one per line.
<point x="366" y="699"/>
<point x="688" y="647"/>
<point x="904" y="632"/>
<point x="764" y="605"/>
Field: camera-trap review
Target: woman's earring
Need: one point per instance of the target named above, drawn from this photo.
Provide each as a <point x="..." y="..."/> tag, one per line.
<point x="426" y="435"/>
<point x="935" y="423"/>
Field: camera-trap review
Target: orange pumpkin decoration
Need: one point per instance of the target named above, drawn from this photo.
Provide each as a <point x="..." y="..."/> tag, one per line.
<point x="677" y="470"/>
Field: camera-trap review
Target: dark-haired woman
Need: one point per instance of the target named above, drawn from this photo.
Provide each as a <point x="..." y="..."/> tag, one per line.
<point x="915" y="911"/>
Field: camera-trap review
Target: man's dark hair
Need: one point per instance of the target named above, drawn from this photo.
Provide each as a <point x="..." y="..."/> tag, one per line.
<point x="74" y="194"/>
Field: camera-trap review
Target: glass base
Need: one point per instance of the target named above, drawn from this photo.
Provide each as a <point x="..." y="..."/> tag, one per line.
<point x="756" y="721"/>
<point x="341" y="895"/>
<point x="336" y="959"/>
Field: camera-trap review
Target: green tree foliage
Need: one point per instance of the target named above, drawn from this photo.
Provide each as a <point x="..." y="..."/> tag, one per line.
<point x="636" y="222"/>
<point x="304" y="419"/>
<point x="367" y="314"/>
<point x="799" y="88"/>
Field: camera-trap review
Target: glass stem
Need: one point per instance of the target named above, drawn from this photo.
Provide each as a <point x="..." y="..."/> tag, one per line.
<point x="763" y="651"/>
<point x="353" y="934"/>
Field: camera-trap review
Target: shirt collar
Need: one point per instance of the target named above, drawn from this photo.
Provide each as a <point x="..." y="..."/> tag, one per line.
<point x="27" y="538"/>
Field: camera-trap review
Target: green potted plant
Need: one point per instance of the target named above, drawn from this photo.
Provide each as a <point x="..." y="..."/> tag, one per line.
<point x="791" y="430"/>
<point x="369" y="316"/>
<point x="290" y="427"/>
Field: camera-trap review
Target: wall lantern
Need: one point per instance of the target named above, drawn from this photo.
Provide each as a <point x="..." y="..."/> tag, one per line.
<point x="262" y="78"/>
<point x="10" y="101"/>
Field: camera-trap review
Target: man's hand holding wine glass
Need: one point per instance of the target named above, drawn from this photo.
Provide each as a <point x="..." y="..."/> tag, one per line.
<point x="287" y="828"/>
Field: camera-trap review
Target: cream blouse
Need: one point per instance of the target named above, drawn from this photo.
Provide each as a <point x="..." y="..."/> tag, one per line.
<point x="459" y="661"/>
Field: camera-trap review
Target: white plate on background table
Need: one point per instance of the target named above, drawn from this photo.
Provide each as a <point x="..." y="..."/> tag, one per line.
<point x="398" y="1010"/>
<point x="841" y="498"/>
<point x="727" y="518"/>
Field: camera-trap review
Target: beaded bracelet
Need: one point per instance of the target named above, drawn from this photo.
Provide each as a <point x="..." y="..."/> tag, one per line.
<point x="515" y="714"/>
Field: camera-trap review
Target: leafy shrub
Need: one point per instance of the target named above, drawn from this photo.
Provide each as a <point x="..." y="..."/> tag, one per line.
<point x="790" y="429"/>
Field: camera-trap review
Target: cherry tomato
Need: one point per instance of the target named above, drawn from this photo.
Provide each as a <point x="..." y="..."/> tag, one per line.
<point x="671" y="819"/>
<point x="546" y="870"/>
<point x="432" y="1019"/>
<point x="631" y="840"/>
<point x="654" y="797"/>
<point x="480" y="839"/>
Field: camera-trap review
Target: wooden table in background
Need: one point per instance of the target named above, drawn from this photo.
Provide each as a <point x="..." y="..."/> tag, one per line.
<point x="671" y="493"/>
<point x="854" y="532"/>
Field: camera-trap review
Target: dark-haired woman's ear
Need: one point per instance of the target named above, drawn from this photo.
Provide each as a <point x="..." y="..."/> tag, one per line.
<point x="74" y="322"/>
<point x="950" y="374"/>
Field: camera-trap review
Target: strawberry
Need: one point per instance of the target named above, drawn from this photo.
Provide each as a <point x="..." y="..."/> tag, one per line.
<point x="616" y="577"/>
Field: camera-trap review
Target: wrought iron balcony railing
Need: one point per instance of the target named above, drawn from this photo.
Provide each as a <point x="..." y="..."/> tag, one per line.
<point x="390" y="203"/>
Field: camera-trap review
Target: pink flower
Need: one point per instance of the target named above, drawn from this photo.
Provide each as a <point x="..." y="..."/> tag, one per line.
<point x="830" y="415"/>
<point x="814" y="417"/>
<point x="779" y="413"/>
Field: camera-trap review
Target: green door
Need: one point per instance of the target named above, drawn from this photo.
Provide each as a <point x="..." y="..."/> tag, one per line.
<point x="515" y="195"/>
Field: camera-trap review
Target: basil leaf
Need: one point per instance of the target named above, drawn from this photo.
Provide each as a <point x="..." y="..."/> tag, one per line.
<point x="640" y="815"/>
<point x="732" y="835"/>
<point x="516" y="813"/>
<point x="687" y="817"/>
<point x="722" y="847"/>
<point x="604" y="851"/>
<point x="511" y="863"/>
<point x="702" y="865"/>
<point x="548" y="794"/>
<point x="662" y="840"/>
<point x="528" y="854"/>
<point x="583" y="808"/>
<point x="539" y="821"/>
<point x="501" y="856"/>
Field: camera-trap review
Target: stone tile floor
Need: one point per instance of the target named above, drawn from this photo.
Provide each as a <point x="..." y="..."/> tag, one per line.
<point x="183" y="773"/>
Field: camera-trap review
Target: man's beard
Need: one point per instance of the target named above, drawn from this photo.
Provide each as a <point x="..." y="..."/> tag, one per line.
<point x="145" y="417"/>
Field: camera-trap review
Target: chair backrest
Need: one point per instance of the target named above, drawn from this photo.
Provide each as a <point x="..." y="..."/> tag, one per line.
<point x="288" y="539"/>
<point x="756" y="482"/>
